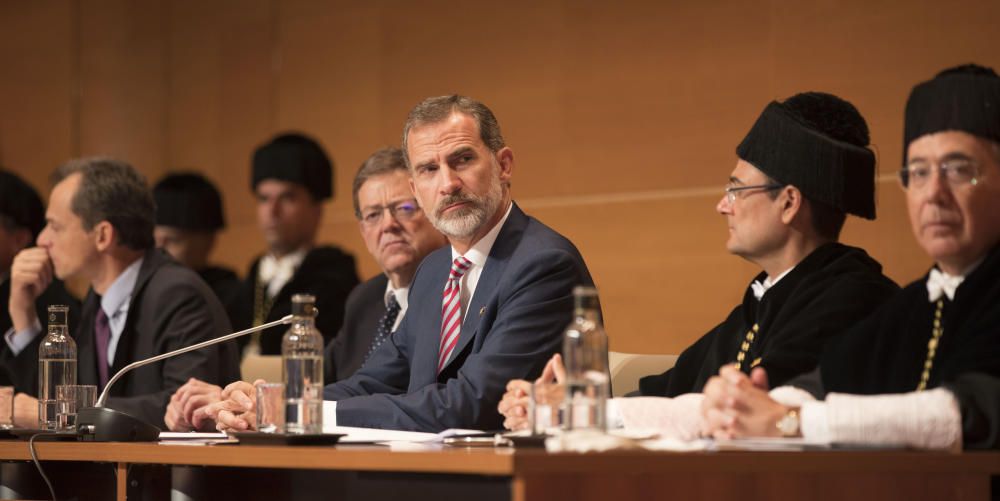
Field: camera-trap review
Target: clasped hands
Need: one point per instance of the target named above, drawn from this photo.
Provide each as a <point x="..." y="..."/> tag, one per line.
<point x="734" y="406"/>
<point x="739" y="406"/>
<point x="202" y="406"/>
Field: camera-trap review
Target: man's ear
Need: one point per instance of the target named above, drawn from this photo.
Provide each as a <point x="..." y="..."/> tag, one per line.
<point x="505" y="159"/>
<point x="791" y="203"/>
<point x="104" y="235"/>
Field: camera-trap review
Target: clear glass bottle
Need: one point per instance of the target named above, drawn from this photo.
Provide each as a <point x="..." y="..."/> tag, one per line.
<point x="302" y="368"/>
<point x="56" y="365"/>
<point x="585" y="350"/>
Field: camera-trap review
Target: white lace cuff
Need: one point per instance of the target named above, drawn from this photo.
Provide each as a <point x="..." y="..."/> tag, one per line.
<point x="923" y="420"/>
<point x="791" y="396"/>
<point x="678" y="418"/>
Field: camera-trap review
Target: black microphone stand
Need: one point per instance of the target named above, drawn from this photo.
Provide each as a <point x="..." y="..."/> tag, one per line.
<point x="102" y="424"/>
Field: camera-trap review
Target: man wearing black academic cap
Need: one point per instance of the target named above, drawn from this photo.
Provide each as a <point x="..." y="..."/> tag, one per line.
<point x="291" y="178"/>
<point x="924" y="371"/>
<point x="804" y="165"/>
<point x="22" y="217"/>
<point x="188" y="216"/>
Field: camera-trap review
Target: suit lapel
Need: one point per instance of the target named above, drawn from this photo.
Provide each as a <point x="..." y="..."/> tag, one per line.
<point x="486" y="289"/>
<point x="126" y="342"/>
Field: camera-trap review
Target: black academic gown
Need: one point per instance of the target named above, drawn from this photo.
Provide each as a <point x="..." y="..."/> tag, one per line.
<point x="830" y="290"/>
<point x="886" y="352"/>
<point x="21" y="372"/>
<point x="228" y="288"/>
<point x="326" y="272"/>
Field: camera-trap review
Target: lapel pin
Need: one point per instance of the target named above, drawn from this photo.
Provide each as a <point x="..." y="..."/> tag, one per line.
<point x="482" y="310"/>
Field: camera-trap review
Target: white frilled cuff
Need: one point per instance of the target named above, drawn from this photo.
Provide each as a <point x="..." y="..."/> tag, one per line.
<point x="678" y="418"/>
<point x="923" y="420"/>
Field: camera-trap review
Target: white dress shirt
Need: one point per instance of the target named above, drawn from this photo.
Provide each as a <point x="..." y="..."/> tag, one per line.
<point x="276" y="272"/>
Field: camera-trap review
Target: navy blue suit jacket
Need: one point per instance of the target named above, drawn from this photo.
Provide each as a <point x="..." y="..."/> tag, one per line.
<point x="514" y="323"/>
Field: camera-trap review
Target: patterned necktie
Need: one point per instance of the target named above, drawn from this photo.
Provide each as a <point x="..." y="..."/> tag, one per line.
<point x="384" y="326"/>
<point x="102" y="334"/>
<point x="451" y="310"/>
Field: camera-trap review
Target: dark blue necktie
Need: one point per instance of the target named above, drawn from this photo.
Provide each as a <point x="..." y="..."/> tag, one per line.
<point x="384" y="325"/>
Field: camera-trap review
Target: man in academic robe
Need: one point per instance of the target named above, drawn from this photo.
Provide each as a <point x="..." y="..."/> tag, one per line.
<point x="924" y="370"/>
<point x="189" y="216"/>
<point x="487" y="308"/>
<point x="291" y="177"/>
<point x="22" y="217"/>
<point x="804" y="165"/>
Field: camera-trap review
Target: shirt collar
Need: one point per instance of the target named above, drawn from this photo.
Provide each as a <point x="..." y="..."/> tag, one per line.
<point x="760" y="288"/>
<point x="120" y="291"/>
<point x="481" y="250"/>
<point x="940" y="282"/>
<point x="401" y="294"/>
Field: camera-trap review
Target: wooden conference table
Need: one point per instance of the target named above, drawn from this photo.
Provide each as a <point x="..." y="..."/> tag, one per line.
<point x="529" y="474"/>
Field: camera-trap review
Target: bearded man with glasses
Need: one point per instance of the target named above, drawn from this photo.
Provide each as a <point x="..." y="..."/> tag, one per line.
<point x="924" y="371"/>
<point x="803" y="166"/>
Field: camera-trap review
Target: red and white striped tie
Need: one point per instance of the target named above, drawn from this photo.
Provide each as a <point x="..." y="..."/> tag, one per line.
<point x="451" y="310"/>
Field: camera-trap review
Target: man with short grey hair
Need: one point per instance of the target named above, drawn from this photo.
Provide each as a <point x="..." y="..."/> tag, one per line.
<point x="140" y="304"/>
<point x="489" y="307"/>
<point x="398" y="235"/>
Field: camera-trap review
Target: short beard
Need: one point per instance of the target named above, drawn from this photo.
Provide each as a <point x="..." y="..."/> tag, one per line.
<point x="465" y="222"/>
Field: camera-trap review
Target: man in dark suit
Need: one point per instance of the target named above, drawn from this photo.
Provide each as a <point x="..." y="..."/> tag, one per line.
<point x="491" y="306"/>
<point x="22" y="217"/>
<point x="399" y="236"/>
<point x="141" y="303"/>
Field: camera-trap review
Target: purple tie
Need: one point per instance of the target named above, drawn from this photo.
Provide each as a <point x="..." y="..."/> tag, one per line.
<point x="102" y="334"/>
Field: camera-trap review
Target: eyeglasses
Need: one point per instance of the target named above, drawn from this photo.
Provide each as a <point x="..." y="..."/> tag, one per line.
<point x="402" y="211"/>
<point x="731" y="190"/>
<point x="958" y="172"/>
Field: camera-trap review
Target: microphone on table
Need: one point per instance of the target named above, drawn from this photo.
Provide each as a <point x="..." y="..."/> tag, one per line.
<point x="103" y="424"/>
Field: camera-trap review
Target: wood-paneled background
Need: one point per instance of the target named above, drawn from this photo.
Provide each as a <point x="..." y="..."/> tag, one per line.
<point x="623" y="115"/>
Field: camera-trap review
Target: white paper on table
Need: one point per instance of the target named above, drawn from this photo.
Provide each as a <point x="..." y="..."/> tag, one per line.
<point x="191" y="435"/>
<point x="194" y="438"/>
<point x="357" y="435"/>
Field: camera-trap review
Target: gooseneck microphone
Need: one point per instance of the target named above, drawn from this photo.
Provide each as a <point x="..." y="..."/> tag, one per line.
<point x="103" y="424"/>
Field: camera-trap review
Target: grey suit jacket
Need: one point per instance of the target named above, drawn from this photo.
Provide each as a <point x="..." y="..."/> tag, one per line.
<point x="515" y="321"/>
<point x="171" y="308"/>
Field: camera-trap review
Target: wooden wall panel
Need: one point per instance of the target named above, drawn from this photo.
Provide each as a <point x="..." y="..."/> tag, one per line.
<point x="623" y="116"/>
<point x="123" y="82"/>
<point x="36" y="90"/>
<point x="248" y="79"/>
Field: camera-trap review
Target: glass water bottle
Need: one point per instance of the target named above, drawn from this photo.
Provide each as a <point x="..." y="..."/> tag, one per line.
<point x="302" y="368"/>
<point x="56" y="365"/>
<point x="585" y="349"/>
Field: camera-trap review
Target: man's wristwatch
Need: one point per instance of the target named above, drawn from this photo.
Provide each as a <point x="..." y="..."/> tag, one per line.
<point x="789" y="424"/>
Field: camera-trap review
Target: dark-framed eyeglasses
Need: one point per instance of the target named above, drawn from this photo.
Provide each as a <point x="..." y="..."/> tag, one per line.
<point x="732" y="190"/>
<point x="403" y="211"/>
<point x="958" y="172"/>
